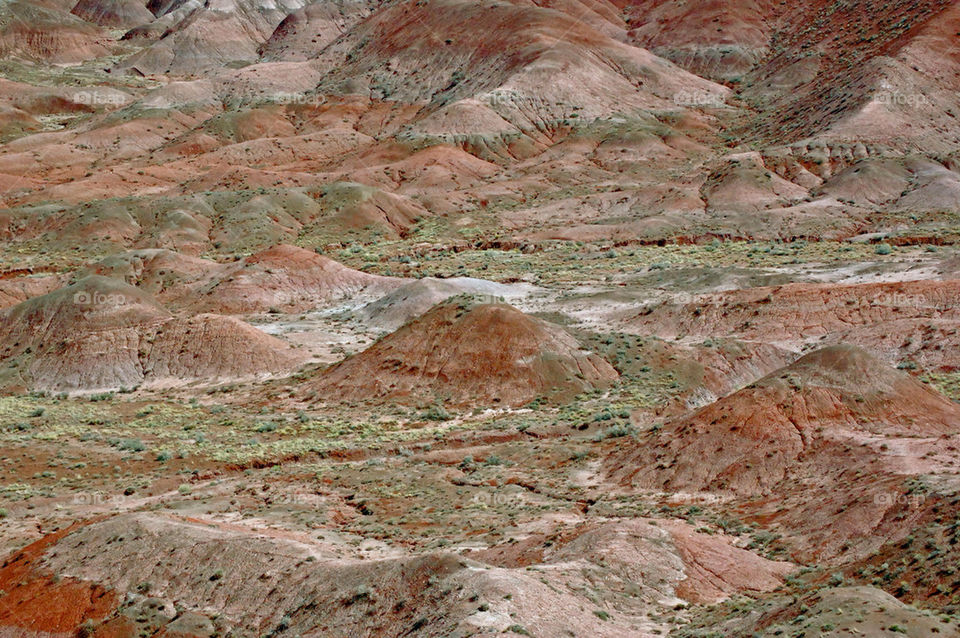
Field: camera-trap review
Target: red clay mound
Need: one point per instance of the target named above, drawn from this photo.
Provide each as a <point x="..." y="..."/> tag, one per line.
<point x="207" y="574"/>
<point x="643" y="554"/>
<point x="114" y="13"/>
<point x="492" y="67"/>
<point x="284" y="278"/>
<point x="900" y="91"/>
<point x="787" y="426"/>
<point x="798" y="312"/>
<point x="203" y="36"/>
<point x="911" y="344"/>
<point x="19" y="289"/>
<point x="247" y="125"/>
<point x="213" y="347"/>
<point x="743" y="183"/>
<point x="489" y="355"/>
<point x="715" y="569"/>
<point x="228" y="576"/>
<point x="102" y="334"/>
<point x="360" y="207"/>
<point x="717" y="40"/>
<point x="312" y="28"/>
<point x="95" y="304"/>
<point x="35" y="32"/>
<point x="155" y="271"/>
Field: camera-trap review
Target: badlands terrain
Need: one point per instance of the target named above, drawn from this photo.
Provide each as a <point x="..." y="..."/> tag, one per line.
<point x="450" y="318"/>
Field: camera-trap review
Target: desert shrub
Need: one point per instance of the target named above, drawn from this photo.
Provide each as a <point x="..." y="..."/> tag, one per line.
<point x="131" y="445"/>
<point x="615" y="431"/>
<point x="435" y="413"/>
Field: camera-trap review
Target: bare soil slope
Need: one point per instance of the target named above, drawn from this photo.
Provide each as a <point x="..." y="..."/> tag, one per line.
<point x="114" y="13"/>
<point x="223" y="576"/>
<point x="34" y="32"/>
<point x="101" y="334"/>
<point x="783" y="426"/>
<point x="484" y="355"/>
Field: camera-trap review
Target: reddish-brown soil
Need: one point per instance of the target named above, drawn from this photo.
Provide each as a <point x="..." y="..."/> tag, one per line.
<point x="271" y="572"/>
<point x="113" y="13"/>
<point x="898" y="320"/>
<point x="35" y="600"/>
<point x="461" y="353"/>
<point x="31" y="31"/>
<point x="782" y="427"/>
<point x="101" y="334"/>
<point x="284" y="277"/>
<point x="706" y="384"/>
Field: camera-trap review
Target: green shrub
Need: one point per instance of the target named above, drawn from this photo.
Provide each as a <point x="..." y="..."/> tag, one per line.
<point x="435" y="413"/>
<point x="131" y="445"/>
<point x="615" y="431"/>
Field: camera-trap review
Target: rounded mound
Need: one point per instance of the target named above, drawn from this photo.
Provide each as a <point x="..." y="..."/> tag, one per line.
<point x="465" y="354"/>
<point x="93" y="304"/>
<point x="284" y="278"/>
<point x="33" y="32"/>
<point x="795" y="423"/>
<point x="412" y="300"/>
<point x="114" y="13"/>
<point x="103" y="334"/>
